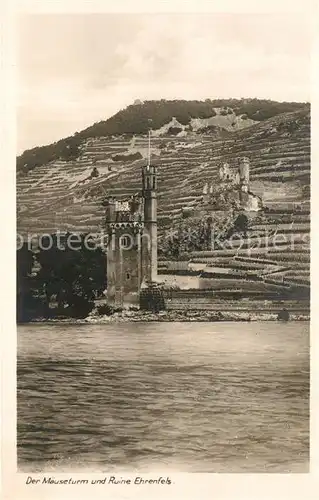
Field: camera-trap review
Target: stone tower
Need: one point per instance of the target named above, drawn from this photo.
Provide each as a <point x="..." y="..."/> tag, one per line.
<point x="243" y="169"/>
<point x="131" y="226"/>
<point x="149" y="247"/>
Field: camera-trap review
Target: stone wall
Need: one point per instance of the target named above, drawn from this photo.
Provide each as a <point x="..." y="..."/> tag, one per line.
<point x="200" y="302"/>
<point x="152" y="299"/>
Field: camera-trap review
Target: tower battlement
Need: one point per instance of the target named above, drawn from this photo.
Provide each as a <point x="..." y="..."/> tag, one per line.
<point x="126" y="225"/>
<point x="128" y="210"/>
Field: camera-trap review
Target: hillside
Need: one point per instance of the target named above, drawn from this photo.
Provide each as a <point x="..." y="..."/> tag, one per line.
<point x="67" y="195"/>
<point x="137" y="118"/>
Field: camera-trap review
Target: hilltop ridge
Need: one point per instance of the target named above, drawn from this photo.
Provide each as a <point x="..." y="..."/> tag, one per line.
<point x="228" y="114"/>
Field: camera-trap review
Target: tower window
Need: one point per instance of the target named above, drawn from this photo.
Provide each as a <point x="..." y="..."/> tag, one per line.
<point x="154" y="183"/>
<point x="125" y="242"/>
<point x="128" y="276"/>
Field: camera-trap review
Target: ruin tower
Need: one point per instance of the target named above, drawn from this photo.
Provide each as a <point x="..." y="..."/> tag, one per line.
<point x="149" y="239"/>
<point x="243" y="171"/>
<point x="244" y="168"/>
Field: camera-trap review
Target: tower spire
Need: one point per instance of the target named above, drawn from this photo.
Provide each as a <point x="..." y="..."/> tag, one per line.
<point x="149" y="143"/>
<point x="149" y="148"/>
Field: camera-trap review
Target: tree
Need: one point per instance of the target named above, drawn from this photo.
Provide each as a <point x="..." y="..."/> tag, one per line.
<point x="29" y="304"/>
<point x="94" y="173"/>
<point x="241" y="223"/>
<point x="73" y="277"/>
<point x="75" y="274"/>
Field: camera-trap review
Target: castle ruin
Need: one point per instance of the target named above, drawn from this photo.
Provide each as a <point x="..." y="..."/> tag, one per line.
<point x="238" y="179"/>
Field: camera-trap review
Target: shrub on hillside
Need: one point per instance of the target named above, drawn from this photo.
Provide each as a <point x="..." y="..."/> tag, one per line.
<point x="241" y="223"/>
<point x="240" y="226"/>
<point x="106" y="310"/>
<point x="210" y="129"/>
<point x="130" y="157"/>
<point x="94" y="173"/>
<point x="174" y="130"/>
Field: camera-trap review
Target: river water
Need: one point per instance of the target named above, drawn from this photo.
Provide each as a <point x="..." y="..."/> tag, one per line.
<point x="177" y="397"/>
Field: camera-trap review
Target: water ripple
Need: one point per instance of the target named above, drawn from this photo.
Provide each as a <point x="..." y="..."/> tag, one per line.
<point x="194" y="398"/>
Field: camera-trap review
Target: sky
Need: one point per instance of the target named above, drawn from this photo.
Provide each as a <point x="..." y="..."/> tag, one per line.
<point x="77" y="69"/>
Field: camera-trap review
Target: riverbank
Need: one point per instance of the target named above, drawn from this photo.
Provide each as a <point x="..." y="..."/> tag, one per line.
<point x="175" y="316"/>
<point x="188" y="316"/>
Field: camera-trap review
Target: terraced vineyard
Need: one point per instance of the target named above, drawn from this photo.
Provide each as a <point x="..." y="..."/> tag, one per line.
<point x="274" y="255"/>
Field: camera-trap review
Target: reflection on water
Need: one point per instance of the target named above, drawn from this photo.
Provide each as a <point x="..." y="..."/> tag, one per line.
<point x="184" y="397"/>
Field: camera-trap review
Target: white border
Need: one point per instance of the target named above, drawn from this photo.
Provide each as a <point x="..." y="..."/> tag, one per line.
<point x="194" y="486"/>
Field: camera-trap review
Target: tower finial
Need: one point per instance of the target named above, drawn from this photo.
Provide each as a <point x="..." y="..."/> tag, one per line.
<point x="149" y="149"/>
<point x="149" y="143"/>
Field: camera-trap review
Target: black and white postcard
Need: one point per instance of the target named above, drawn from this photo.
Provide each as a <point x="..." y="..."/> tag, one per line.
<point x="161" y="269"/>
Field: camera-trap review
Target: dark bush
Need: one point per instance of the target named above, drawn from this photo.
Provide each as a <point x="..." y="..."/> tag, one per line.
<point x="174" y="130"/>
<point x="105" y="310"/>
<point x="283" y="315"/>
<point x="72" y="276"/>
<point x="209" y="129"/>
<point x="94" y="173"/>
<point x="131" y="157"/>
<point x="241" y="223"/>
